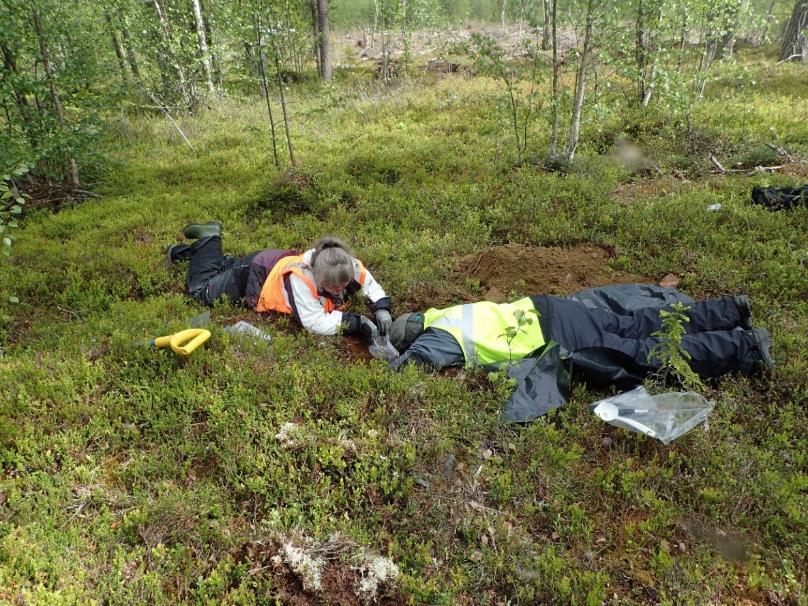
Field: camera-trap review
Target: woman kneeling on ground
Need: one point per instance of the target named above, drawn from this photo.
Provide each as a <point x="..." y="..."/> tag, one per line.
<point x="313" y="287"/>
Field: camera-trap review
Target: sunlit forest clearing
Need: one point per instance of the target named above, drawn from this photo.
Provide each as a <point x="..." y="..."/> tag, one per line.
<point x="465" y="152"/>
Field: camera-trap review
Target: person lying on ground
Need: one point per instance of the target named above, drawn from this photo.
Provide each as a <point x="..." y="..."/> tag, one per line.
<point x="313" y="286"/>
<point x="719" y="337"/>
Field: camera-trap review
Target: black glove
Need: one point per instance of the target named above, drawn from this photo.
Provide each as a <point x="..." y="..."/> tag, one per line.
<point x="367" y="329"/>
<point x="384" y="321"/>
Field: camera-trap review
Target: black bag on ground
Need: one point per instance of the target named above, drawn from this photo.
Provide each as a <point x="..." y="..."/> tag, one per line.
<point x="778" y="198"/>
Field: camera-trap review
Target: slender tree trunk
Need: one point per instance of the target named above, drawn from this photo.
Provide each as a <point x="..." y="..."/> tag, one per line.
<point x="521" y="18"/>
<point x="795" y="42"/>
<point x="214" y="56"/>
<point x="502" y="13"/>
<point x="10" y="67"/>
<point x="729" y="45"/>
<point x="375" y="23"/>
<point x="580" y="83"/>
<point x="283" y="108"/>
<point x="769" y="15"/>
<point x="545" y="31"/>
<point x="404" y="37"/>
<point x="708" y="49"/>
<point x="265" y="86"/>
<point x="179" y="73"/>
<point x="248" y="55"/>
<point x="291" y="47"/>
<point x="556" y="70"/>
<point x="640" y="50"/>
<point x="131" y="58"/>
<point x="279" y="80"/>
<point x="315" y="28"/>
<point x="514" y="115"/>
<point x="649" y="18"/>
<point x="726" y="41"/>
<point x="73" y="170"/>
<point x="119" y="52"/>
<point x="324" y="27"/>
<point x="204" y="52"/>
<point x="27" y="116"/>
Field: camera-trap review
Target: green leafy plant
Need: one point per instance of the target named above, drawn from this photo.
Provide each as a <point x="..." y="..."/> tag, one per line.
<point x="673" y="358"/>
<point x="523" y="320"/>
<point x="523" y="104"/>
<point x="11" y="203"/>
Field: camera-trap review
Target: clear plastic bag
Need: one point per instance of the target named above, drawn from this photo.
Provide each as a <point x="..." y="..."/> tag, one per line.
<point x="245" y="328"/>
<point x="664" y="416"/>
<point x="201" y="320"/>
<point x="382" y="349"/>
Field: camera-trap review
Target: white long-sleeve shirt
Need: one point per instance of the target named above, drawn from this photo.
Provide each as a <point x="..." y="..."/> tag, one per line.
<point x="311" y="309"/>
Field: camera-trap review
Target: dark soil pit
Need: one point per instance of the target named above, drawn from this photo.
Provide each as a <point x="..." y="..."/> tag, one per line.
<point x="528" y="270"/>
<point x="352" y="349"/>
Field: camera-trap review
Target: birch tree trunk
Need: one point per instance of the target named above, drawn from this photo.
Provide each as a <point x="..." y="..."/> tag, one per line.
<point x="167" y="43"/>
<point x="204" y="52"/>
<point x="279" y="80"/>
<point x="265" y="86"/>
<point x="556" y="70"/>
<point x="404" y="38"/>
<point x="73" y="170"/>
<point x="649" y="17"/>
<point x="131" y="58"/>
<point x="214" y="56"/>
<point x="119" y="53"/>
<point x="283" y="108"/>
<point x="580" y="83"/>
<point x="795" y="43"/>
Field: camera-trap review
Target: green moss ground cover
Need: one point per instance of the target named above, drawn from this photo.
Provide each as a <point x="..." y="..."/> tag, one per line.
<point x="132" y="476"/>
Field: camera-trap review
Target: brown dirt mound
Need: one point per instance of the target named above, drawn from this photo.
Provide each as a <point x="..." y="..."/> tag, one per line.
<point x="530" y="270"/>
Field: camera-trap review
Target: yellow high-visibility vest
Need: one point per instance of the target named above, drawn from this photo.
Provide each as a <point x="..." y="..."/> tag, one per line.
<point x="482" y="330"/>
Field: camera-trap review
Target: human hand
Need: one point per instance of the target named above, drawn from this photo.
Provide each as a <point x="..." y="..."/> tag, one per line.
<point x="384" y="321"/>
<point x="367" y="329"/>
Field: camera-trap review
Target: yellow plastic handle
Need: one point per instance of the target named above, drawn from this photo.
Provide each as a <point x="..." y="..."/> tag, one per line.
<point x="185" y="341"/>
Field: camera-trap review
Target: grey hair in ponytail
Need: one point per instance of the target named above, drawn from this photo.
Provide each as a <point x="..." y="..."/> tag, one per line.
<point x="332" y="263"/>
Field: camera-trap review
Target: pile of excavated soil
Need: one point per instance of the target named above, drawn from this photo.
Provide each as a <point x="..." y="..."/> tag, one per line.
<point x="530" y="270"/>
<point x="504" y="272"/>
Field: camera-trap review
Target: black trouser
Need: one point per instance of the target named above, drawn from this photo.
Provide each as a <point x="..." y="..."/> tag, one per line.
<point x="714" y="340"/>
<point x="211" y="274"/>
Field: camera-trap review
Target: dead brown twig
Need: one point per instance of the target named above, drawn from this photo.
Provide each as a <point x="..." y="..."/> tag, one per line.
<point x="757" y="169"/>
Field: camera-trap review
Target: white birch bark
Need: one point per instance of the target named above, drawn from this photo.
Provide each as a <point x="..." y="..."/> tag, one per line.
<point x="580" y="83"/>
<point x="203" y="45"/>
<point x="180" y="73"/>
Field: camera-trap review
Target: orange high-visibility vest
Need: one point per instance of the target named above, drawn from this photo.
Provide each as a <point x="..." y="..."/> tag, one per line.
<point x="272" y="299"/>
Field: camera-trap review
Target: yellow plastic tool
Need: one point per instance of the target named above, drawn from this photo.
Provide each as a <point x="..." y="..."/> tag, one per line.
<point x="184" y="341"/>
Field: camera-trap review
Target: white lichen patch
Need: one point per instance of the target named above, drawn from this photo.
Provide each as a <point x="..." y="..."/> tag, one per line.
<point x="289" y="436"/>
<point x="374" y="572"/>
<point x="308" y="568"/>
<point x="348" y="445"/>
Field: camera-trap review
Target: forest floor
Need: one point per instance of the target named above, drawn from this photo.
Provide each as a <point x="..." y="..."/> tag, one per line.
<point x="301" y="472"/>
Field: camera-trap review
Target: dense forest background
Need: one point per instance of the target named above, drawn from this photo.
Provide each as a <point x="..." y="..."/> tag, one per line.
<point x="71" y="67"/>
<point x="465" y="150"/>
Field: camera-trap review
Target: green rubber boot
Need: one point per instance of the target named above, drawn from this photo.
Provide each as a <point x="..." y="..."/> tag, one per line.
<point x="202" y="230"/>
